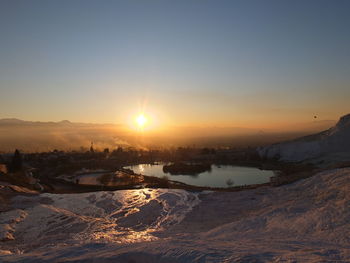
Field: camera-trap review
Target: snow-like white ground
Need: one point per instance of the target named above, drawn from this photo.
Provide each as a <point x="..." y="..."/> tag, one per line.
<point x="307" y="221"/>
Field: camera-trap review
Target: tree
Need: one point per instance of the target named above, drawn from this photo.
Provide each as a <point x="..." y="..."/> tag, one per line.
<point x="106" y="150"/>
<point x="92" y="148"/>
<point x="16" y="164"/>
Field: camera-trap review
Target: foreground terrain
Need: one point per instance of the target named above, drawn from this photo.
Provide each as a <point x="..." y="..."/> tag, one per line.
<point x="307" y="221"/>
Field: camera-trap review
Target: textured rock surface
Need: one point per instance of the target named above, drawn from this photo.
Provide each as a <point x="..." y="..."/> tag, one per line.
<point x="307" y="221"/>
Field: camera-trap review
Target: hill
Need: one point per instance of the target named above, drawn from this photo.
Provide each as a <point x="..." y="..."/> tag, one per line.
<point x="332" y="145"/>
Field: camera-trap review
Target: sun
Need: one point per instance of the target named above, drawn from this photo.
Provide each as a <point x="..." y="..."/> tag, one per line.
<point x="141" y="120"/>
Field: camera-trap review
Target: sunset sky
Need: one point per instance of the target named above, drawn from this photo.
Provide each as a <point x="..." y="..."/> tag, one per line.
<point x="224" y="63"/>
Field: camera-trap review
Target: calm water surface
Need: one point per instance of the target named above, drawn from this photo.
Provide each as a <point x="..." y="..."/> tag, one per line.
<point x="219" y="176"/>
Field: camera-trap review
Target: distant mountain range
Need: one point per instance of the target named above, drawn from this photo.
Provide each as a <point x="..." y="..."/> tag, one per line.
<point x="66" y="135"/>
<point x="14" y="121"/>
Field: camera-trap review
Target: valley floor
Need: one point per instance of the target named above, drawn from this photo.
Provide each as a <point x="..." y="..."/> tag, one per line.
<point x="306" y="221"/>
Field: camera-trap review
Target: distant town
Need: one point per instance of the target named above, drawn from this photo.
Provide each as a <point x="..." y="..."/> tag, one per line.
<point x="66" y="171"/>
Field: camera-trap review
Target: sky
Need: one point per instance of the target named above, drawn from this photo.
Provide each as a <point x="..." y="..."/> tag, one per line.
<point x="193" y="62"/>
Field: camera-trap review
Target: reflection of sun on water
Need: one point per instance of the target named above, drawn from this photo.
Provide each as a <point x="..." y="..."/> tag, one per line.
<point x="123" y="224"/>
<point x="107" y="228"/>
<point x="141" y="168"/>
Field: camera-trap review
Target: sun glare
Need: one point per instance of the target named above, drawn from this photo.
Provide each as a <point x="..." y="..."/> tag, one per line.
<point x="141" y="120"/>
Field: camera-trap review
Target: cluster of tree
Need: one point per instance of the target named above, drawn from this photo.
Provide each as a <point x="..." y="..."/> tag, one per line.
<point x="16" y="162"/>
